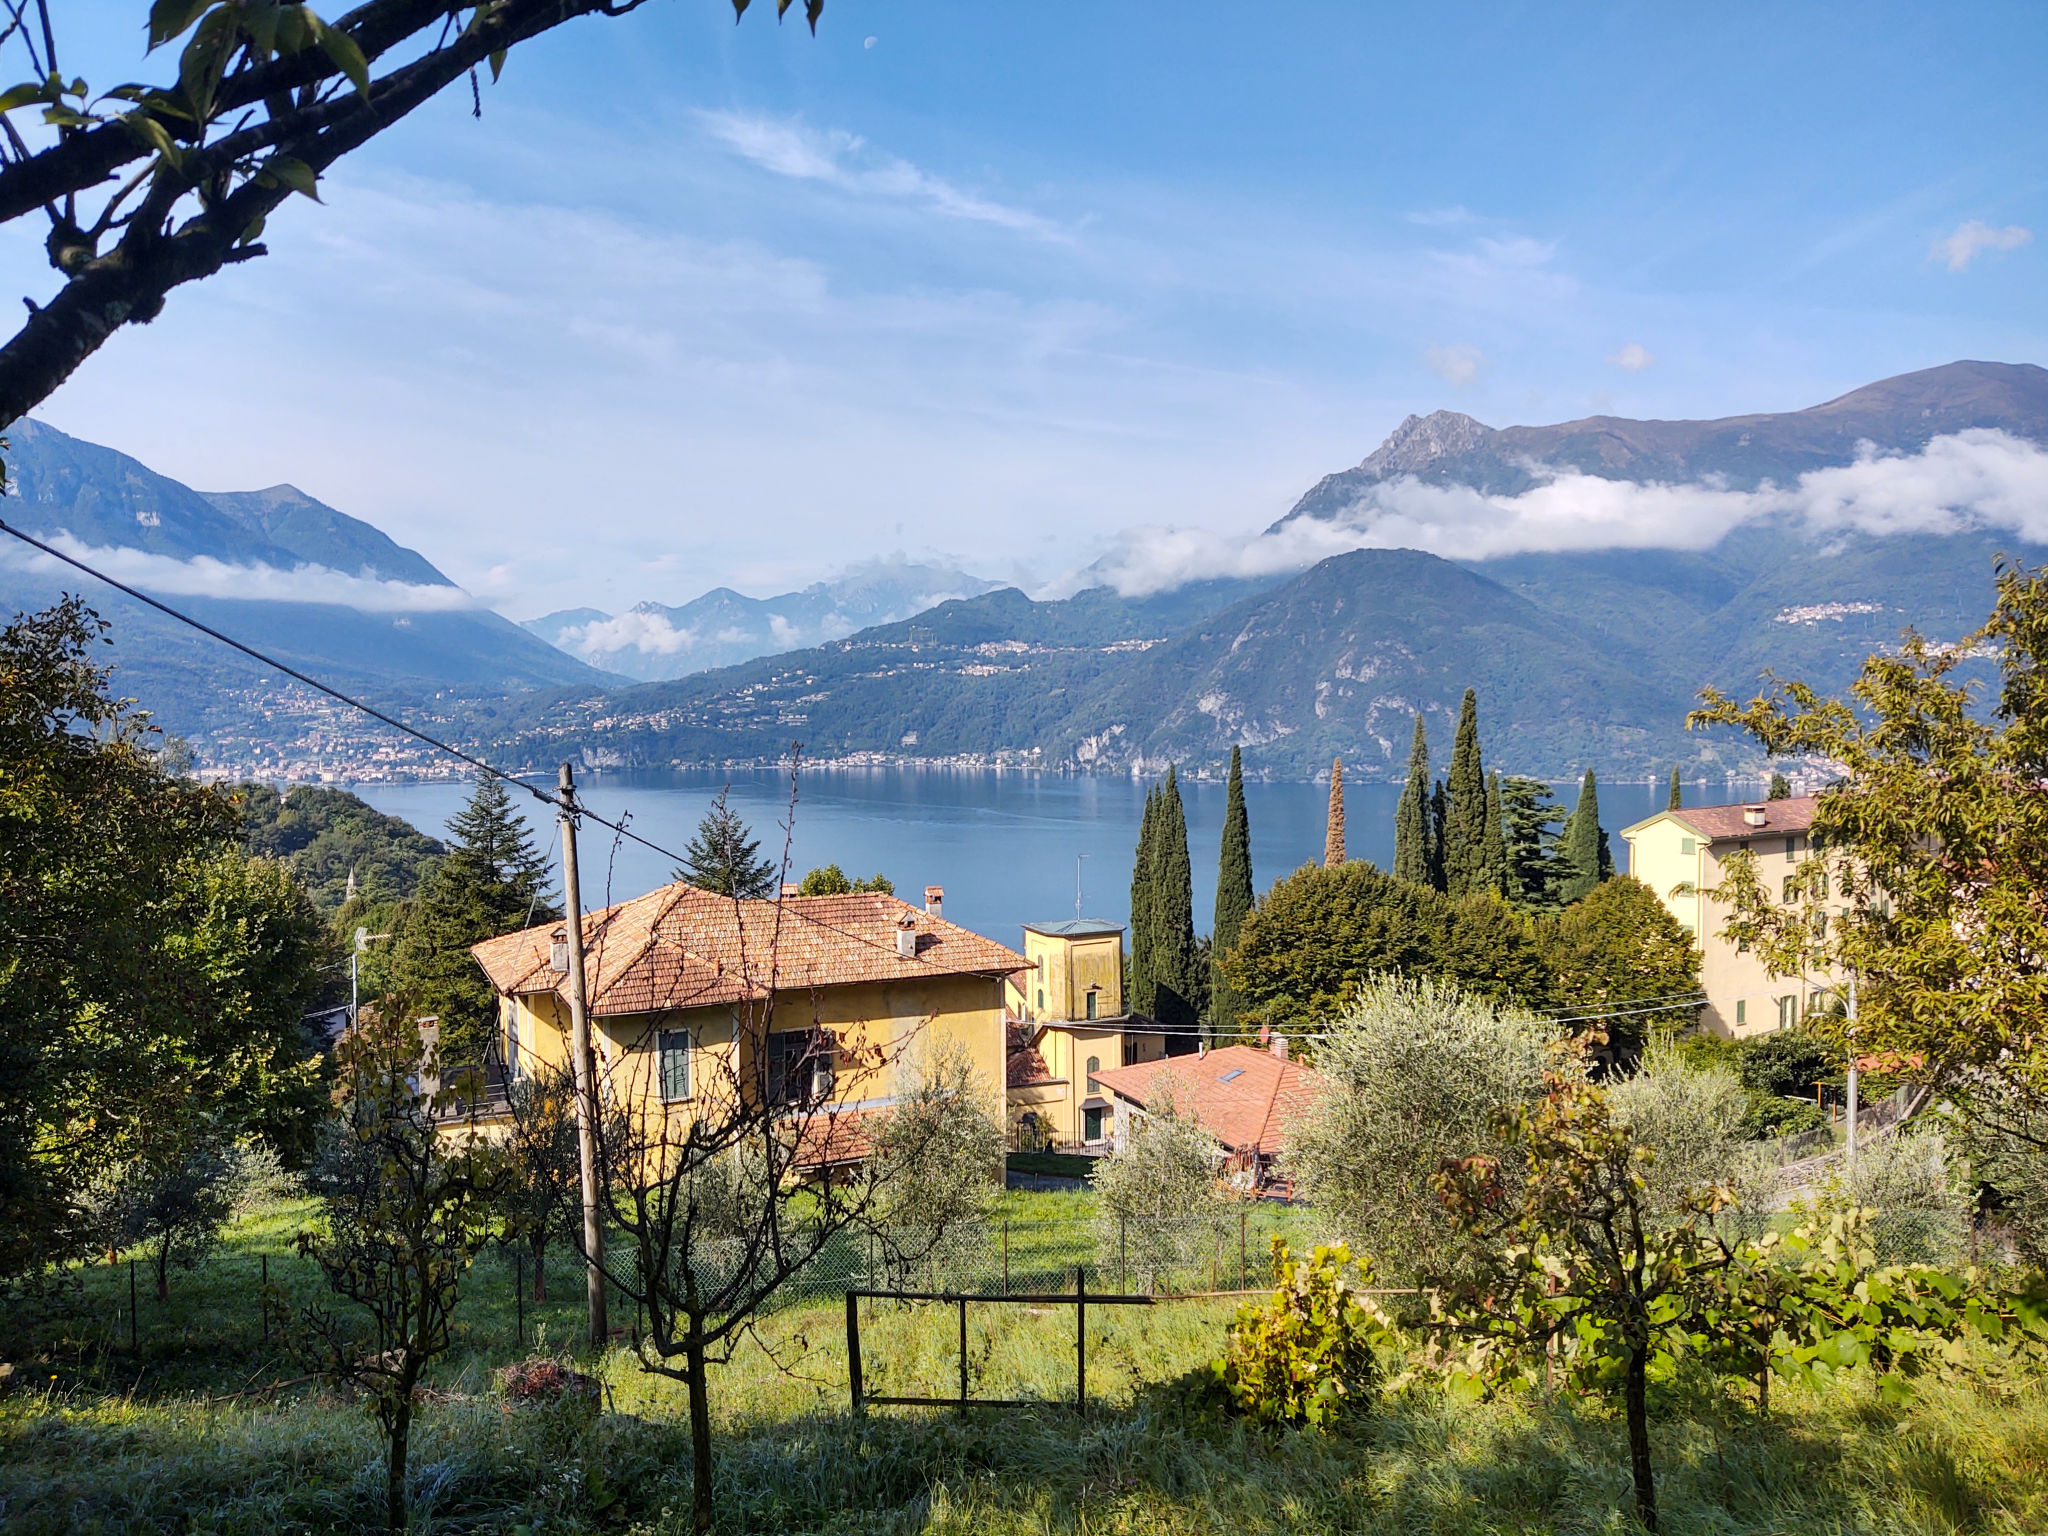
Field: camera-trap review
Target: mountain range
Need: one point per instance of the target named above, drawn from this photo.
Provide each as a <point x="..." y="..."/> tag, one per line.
<point x="651" y="641"/>
<point x="1580" y="656"/>
<point x="1586" y="578"/>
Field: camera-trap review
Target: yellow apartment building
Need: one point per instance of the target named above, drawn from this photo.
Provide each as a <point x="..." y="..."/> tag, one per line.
<point x="1067" y="1023"/>
<point x="827" y="1003"/>
<point x="1682" y="855"/>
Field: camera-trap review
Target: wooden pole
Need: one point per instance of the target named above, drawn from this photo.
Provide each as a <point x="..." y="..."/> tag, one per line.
<point x="585" y="1068"/>
<point x="963" y="1354"/>
<point x="853" y="1347"/>
<point x="264" y="1297"/>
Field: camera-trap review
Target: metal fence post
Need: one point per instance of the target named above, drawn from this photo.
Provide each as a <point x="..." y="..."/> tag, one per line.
<point x="519" y="1296"/>
<point x="963" y="1354"/>
<point x="1123" y="1253"/>
<point x="1081" y="1338"/>
<point x="263" y="1297"/>
<point x="1006" y="1255"/>
<point x="134" y="1338"/>
<point x="853" y="1346"/>
<point x="1244" y="1272"/>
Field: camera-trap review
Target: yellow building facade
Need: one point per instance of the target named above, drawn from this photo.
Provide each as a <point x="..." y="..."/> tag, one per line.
<point x="830" y="1004"/>
<point x="1683" y="856"/>
<point x="1067" y="1022"/>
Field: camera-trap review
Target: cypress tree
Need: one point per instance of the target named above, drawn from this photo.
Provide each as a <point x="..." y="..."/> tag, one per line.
<point x="1233" y="899"/>
<point x="492" y="881"/>
<point x="1139" y="986"/>
<point x="1676" y="802"/>
<point x="1333" y="833"/>
<point x="1439" y="810"/>
<point x="1178" y="980"/>
<point x="1495" y="846"/>
<point x="1411" y="816"/>
<point x="1465" y="814"/>
<point x="1586" y="859"/>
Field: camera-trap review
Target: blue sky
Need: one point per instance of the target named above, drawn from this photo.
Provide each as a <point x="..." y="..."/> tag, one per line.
<point x="698" y="303"/>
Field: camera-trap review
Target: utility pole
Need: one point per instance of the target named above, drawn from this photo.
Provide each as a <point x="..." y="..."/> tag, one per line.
<point x="586" y="1074"/>
<point x="1852" y="1081"/>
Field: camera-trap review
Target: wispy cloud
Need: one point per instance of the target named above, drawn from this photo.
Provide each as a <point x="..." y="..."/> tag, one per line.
<point x="1977" y="478"/>
<point x="203" y="576"/>
<point x="790" y="147"/>
<point x="1633" y="358"/>
<point x="1456" y="366"/>
<point x="1973" y="238"/>
<point x="1442" y="218"/>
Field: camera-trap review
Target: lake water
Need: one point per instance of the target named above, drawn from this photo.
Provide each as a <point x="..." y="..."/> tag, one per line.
<point x="1004" y="845"/>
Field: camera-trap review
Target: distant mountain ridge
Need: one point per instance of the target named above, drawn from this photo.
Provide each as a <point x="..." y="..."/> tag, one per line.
<point x="1742" y="452"/>
<point x="724" y="627"/>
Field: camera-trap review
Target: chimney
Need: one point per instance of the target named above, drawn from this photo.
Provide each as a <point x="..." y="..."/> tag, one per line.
<point x="1754" y="815"/>
<point x="1201" y="1049"/>
<point x="558" y="952"/>
<point x="789" y="888"/>
<point x="1266" y="1035"/>
<point x="934" y="900"/>
<point x="906" y="937"/>
<point x="1279" y="1046"/>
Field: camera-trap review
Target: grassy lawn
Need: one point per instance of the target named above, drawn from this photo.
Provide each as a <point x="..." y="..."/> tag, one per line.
<point x="100" y="1440"/>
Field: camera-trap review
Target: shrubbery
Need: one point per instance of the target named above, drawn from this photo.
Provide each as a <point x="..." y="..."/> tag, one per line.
<point x="1306" y="1356"/>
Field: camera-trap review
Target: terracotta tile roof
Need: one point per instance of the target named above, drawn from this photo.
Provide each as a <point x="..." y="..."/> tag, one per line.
<point x="1243" y="1096"/>
<point x="680" y="947"/>
<point x="1025" y="1063"/>
<point x="1782" y="818"/>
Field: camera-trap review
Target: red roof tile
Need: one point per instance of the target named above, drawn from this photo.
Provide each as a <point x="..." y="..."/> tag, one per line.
<point x="680" y="947"/>
<point x="1243" y="1096"/>
<point x="1782" y="818"/>
<point x="1025" y="1063"/>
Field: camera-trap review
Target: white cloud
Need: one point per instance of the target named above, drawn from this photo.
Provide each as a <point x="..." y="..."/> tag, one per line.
<point x="1977" y="478"/>
<point x="1634" y="357"/>
<point x="1972" y="238"/>
<point x="1457" y="366"/>
<point x="203" y="576"/>
<point x="844" y="160"/>
<point x="651" y="634"/>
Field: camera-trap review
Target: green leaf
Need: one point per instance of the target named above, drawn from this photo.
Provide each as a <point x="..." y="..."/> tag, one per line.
<point x="497" y="65"/>
<point x="168" y="18"/>
<point x="346" y="56"/>
<point x="293" y="173"/>
<point x="21" y="95"/>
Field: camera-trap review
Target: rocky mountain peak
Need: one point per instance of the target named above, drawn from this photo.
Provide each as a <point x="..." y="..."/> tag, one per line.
<point x="1422" y="440"/>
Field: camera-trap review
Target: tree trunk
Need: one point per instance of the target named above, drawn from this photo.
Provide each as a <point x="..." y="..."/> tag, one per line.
<point x="700" y="1429"/>
<point x="394" y="1477"/>
<point x="1763" y="1390"/>
<point x="163" y="1270"/>
<point x="1637" y="1395"/>
<point x="539" y="1243"/>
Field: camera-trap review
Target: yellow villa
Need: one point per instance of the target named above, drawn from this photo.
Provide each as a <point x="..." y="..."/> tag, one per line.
<point x="1067" y="1023"/>
<point x="1682" y="855"/>
<point x="843" y="993"/>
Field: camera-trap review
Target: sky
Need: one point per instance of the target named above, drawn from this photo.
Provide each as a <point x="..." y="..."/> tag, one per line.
<point x="1020" y="286"/>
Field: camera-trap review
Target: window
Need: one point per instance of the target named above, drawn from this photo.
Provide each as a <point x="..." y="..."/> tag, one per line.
<point x="1041" y="999"/>
<point x="1787" y="895"/>
<point x="1742" y="1010"/>
<point x="1091" y="1002"/>
<point x="1742" y="944"/>
<point x="673" y="1047"/>
<point x="1791" y="847"/>
<point x="1788" y="1010"/>
<point x="1231" y="1075"/>
<point x="799" y="1066"/>
<point x="1091" y="1125"/>
<point x="1094" y="1066"/>
<point x="1685" y="845"/>
<point x="1823" y="882"/>
<point x="512" y="1063"/>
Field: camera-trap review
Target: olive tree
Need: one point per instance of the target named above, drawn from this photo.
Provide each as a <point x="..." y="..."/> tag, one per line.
<point x="1153" y="1191"/>
<point x="1413" y="1074"/>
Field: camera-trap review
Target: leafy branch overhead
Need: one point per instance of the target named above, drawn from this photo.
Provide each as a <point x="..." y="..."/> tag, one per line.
<point x="146" y="187"/>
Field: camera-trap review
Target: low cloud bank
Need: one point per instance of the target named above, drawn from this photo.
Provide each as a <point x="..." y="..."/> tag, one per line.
<point x="204" y="576"/>
<point x="1980" y="478"/>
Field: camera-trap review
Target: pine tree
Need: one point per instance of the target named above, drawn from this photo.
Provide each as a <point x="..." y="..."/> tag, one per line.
<point x="1677" y="800"/>
<point x="1465" y="815"/>
<point x="492" y="881"/>
<point x="1439" y="812"/>
<point x="1411" y="816"/>
<point x="724" y="858"/>
<point x="1141" y="986"/>
<point x="1495" y="846"/>
<point x="1781" y="787"/>
<point x="1586" y="859"/>
<point x="1233" y="899"/>
<point x="1333" y="835"/>
<point x="1529" y="820"/>
<point x="1179" y="982"/>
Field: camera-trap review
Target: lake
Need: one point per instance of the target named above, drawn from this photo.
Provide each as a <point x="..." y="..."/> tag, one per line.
<point x="1009" y="848"/>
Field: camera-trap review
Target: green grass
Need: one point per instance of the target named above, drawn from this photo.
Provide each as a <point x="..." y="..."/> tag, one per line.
<point x="118" y="1443"/>
<point x="1058" y="1165"/>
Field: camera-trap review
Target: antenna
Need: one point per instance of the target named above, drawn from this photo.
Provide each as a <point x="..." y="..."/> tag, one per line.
<point x="1077" y="884"/>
